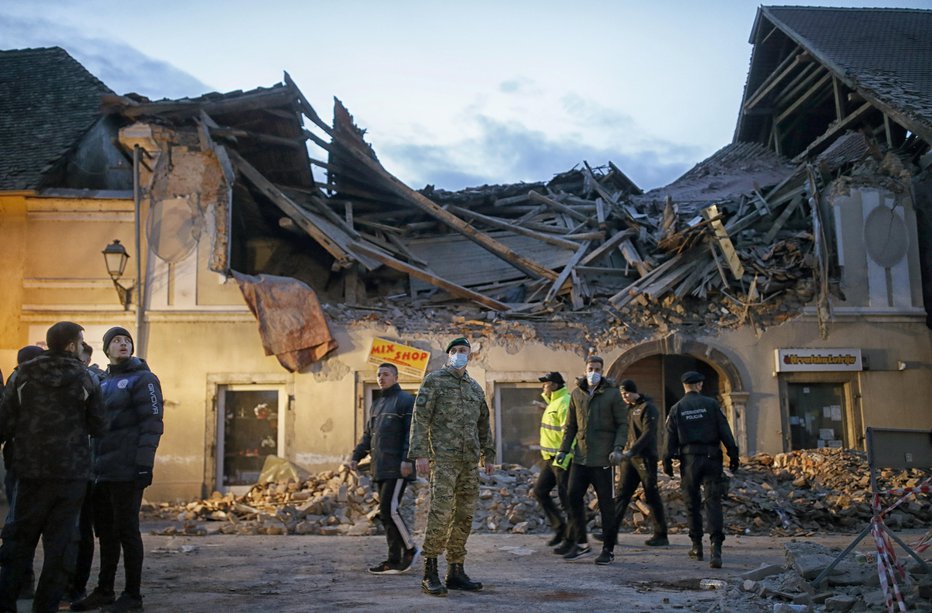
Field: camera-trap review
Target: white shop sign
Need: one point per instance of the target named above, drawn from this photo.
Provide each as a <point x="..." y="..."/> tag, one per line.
<point x="817" y="360"/>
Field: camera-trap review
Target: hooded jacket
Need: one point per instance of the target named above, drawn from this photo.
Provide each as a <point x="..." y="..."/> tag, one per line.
<point x="133" y="401"/>
<point x="598" y="423"/>
<point x="49" y="408"/>
<point x="642" y="428"/>
<point x="385" y="437"/>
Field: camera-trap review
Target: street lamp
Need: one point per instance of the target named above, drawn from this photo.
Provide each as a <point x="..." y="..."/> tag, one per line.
<point x="115" y="257"/>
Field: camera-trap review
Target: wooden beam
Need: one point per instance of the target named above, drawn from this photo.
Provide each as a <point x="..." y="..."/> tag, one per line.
<point x="608" y="245"/>
<point x="565" y="273"/>
<point x="803" y="98"/>
<point x="833" y="130"/>
<point x="428" y="277"/>
<point x="558" y="206"/>
<point x="773" y="79"/>
<point x="392" y="184"/>
<point x="633" y="258"/>
<point x="781" y="220"/>
<point x="839" y="99"/>
<point x="711" y="213"/>
<point x="496" y="222"/>
<point x="289" y="207"/>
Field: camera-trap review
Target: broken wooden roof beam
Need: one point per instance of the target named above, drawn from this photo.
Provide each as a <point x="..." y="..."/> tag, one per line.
<point x="507" y="225"/>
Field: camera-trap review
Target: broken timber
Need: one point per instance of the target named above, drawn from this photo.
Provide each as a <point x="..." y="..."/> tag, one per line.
<point x="711" y="214"/>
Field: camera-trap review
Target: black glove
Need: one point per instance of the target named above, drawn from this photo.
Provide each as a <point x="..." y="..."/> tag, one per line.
<point x="558" y="459"/>
<point x="668" y="467"/>
<point x="143" y="476"/>
<point x="616" y="457"/>
<point x="733" y="464"/>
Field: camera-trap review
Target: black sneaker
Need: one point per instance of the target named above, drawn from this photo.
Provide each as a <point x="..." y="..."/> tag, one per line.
<point x="605" y="558"/>
<point x="409" y="559"/>
<point x="562" y="549"/>
<point x="658" y="540"/>
<point x="598" y="536"/>
<point x="385" y="568"/>
<point x="124" y="604"/>
<point x="577" y="551"/>
<point x="94" y="600"/>
<point x="556" y="539"/>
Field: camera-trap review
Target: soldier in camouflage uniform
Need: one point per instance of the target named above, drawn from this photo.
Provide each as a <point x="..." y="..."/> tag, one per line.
<point x="49" y="410"/>
<point x="450" y="434"/>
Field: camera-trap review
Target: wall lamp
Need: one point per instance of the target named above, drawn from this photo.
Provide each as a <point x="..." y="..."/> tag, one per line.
<point x="116" y="257"/>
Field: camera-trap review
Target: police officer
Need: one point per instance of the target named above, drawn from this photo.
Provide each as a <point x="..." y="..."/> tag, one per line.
<point x="450" y="434"/>
<point x="638" y="462"/>
<point x="553" y="473"/>
<point x="696" y="430"/>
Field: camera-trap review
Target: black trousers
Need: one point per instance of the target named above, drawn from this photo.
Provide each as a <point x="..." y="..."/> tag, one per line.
<point x="116" y="522"/>
<point x="48" y="508"/>
<point x="396" y="532"/>
<point x="552" y="476"/>
<point x="705" y="472"/>
<point x="640" y="471"/>
<point x="600" y="478"/>
<point x="82" y="570"/>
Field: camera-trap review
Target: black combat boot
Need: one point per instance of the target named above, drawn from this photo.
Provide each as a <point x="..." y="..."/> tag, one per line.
<point x="716" y="561"/>
<point x="457" y="579"/>
<point x="696" y="552"/>
<point x="430" y="584"/>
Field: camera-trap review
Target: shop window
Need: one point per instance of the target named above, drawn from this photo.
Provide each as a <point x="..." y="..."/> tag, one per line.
<point x="517" y="422"/>
<point x="817" y="415"/>
<point x="250" y="428"/>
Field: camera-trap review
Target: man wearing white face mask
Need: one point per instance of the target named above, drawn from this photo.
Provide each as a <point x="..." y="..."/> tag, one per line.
<point x="598" y="422"/>
<point x="450" y="435"/>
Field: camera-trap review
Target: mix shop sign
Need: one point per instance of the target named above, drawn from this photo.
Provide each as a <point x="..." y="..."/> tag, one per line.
<point x="409" y="360"/>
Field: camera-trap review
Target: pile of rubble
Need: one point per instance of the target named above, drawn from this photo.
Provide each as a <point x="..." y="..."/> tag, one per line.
<point x="792" y="494"/>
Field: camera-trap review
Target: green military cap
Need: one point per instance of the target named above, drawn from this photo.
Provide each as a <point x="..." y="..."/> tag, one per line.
<point x="456" y="342"/>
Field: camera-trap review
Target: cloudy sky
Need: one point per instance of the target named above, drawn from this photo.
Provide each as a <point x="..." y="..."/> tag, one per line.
<point x="450" y="93"/>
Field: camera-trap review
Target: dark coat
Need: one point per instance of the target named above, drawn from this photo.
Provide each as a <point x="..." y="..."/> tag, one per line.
<point x="385" y="437"/>
<point x="133" y="400"/>
<point x="598" y="423"/>
<point x="642" y="428"/>
<point x="697" y="426"/>
<point x="50" y="407"/>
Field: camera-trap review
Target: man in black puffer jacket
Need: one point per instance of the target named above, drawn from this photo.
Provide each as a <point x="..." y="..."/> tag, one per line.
<point x="123" y="460"/>
<point x="49" y="409"/>
<point x="385" y="439"/>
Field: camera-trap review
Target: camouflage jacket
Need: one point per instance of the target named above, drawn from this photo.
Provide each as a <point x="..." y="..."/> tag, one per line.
<point x="49" y="408"/>
<point x="451" y="420"/>
<point x="133" y="399"/>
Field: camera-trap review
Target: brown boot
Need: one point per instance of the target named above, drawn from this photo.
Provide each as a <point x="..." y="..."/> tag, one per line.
<point x="430" y="584"/>
<point x="716" y="561"/>
<point x="457" y="579"/>
<point x="696" y="552"/>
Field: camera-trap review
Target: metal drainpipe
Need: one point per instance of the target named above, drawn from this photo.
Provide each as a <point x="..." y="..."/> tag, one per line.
<point x="137" y="201"/>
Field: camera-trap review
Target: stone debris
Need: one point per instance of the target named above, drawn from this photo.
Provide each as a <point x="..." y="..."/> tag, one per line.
<point x="798" y="494"/>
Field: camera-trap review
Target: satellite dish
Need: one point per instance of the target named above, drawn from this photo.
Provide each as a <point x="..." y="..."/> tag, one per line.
<point x="173" y="228"/>
<point x="885" y="237"/>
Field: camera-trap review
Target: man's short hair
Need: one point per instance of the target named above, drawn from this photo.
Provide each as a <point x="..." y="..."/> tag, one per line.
<point x="392" y="367"/>
<point x="62" y="334"/>
<point x="595" y="358"/>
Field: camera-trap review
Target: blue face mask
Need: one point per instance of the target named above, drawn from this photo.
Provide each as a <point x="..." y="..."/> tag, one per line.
<point x="458" y="360"/>
<point x="593" y="378"/>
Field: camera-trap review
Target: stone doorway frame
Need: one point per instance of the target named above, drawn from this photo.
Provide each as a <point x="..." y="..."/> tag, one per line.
<point x="732" y="382"/>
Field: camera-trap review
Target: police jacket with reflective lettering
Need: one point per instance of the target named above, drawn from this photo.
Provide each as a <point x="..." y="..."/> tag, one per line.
<point x="696" y="425"/>
<point x="385" y="437"/>
<point x="642" y="428"/>
<point x="133" y="400"/>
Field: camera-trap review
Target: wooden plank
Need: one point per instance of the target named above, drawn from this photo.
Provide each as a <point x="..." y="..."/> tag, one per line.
<point x="309" y="111"/>
<point x="724" y="241"/>
<point x="392" y="184"/>
<point x="339" y="252"/>
<point x="419" y="273"/>
<point x="633" y="258"/>
<point x="565" y="273"/>
<point x="802" y="99"/>
<point x="608" y="245"/>
<point x="502" y="224"/>
<point x="558" y="206"/>
<point x="665" y="283"/>
<point x="837" y="127"/>
<point x="600" y="213"/>
<point x="630" y="292"/>
<point x="781" y="220"/>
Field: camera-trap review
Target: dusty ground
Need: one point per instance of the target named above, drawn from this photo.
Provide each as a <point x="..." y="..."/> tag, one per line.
<point x="312" y="573"/>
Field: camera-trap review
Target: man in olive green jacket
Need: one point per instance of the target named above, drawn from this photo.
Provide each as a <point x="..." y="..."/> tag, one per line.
<point x="598" y="422"/>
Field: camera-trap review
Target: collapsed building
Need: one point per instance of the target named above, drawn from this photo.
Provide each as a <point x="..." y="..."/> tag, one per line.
<point x="791" y="267"/>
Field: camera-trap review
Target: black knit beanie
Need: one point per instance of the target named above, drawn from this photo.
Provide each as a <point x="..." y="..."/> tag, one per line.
<point x="117" y="331"/>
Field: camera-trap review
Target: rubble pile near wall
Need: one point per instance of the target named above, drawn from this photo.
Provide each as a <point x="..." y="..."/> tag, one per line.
<point x="794" y="494"/>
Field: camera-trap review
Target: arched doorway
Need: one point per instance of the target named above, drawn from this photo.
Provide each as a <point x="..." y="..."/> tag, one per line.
<point x="656" y="367"/>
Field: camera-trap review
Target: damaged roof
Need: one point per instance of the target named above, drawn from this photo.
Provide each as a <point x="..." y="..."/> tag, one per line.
<point x="47" y="102"/>
<point x="884" y="54"/>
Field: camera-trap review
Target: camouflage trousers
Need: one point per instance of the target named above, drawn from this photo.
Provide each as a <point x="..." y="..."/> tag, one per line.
<point x="454" y="488"/>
